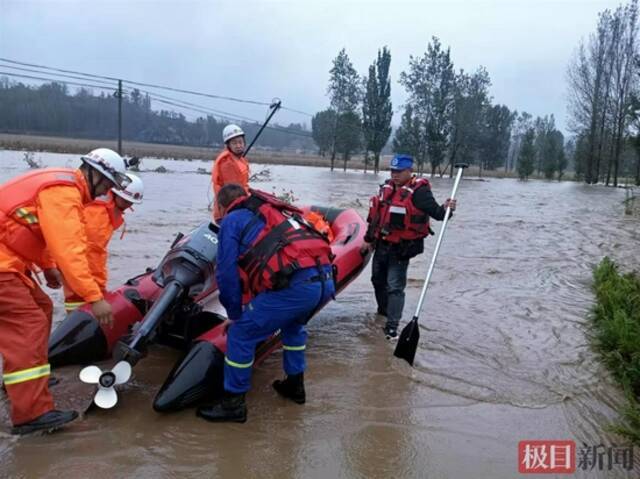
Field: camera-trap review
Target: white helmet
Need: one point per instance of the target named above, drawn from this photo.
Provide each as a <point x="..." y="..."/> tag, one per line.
<point x="230" y="132"/>
<point x="108" y="163"/>
<point x="133" y="192"/>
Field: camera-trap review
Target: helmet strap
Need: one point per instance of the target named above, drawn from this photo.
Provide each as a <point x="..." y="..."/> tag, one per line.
<point x="92" y="186"/>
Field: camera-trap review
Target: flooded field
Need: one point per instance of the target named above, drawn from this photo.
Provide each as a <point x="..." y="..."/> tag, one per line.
<point x="504" y="353"/>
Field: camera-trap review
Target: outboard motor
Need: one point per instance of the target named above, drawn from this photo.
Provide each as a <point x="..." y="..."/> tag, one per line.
<point x="185" y="271"/>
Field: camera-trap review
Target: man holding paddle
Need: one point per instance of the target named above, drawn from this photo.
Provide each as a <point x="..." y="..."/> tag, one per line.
<point x="398" y="223"/>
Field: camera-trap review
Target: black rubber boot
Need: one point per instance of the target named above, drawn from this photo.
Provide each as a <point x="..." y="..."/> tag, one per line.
<point x="232" y="408"/>
<point x="292" y="387"/>
<point x="47" y="422"/>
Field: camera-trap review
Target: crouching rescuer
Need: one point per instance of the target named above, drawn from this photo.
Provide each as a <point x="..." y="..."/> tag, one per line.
<point x="42" y="226"/>
<point x="273" y="272"/>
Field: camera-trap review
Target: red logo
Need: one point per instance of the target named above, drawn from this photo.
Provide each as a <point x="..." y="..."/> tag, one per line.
<point x="546" y="457"/>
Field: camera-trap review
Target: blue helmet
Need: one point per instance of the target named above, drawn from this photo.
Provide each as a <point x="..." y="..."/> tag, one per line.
<point x="401" y="162"/>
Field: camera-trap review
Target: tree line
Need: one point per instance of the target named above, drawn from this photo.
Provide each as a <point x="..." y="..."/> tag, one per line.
<point x="52" y="109"/>
<point x="604" y="105"/>
<point x="449" y="117"/>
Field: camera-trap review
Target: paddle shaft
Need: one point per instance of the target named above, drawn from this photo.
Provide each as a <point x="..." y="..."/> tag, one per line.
<point x="275" y="106"/>
<point x="438" y="243"/>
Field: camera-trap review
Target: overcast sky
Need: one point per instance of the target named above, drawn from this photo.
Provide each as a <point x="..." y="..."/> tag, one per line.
<point x="261" y="50"/>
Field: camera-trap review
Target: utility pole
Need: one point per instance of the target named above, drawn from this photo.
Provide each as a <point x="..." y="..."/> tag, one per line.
<point x="120" y="117"/>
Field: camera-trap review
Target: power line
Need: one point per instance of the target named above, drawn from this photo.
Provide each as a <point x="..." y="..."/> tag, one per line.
<point x="51" y="74"/>
<point x="298" y="111"/>
<point x="165" y="100"/>
<point x="217" y="112"/>
<point x="53" y="80"/>
<point x="149" y="85"/>
<point x="228" y="118"/>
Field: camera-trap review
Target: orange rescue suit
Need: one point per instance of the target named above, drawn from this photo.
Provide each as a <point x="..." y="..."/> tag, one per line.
<point x="228" y="168"/>
<point x="102" y="218"/>
<point x="41" y="224"/>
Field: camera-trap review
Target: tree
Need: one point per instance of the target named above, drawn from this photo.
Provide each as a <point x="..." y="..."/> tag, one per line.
<point x="522" y="123"/>
<point x="430" y="83"/>
<point x="563" y="161"/>
<point x="376" y="108"/>
<point x="344" y="93"/>
<point x="409" y="138"/>
<point x="496" y="135"/>
<point x="526" y="159"/>
<point x="552" y="153"/>
<point x="349" y="135"/>
<point x="322" y="129"/>
<point x="471" y="98"/>
<point x="602" y="81"/>
<point x="54" y="110"/>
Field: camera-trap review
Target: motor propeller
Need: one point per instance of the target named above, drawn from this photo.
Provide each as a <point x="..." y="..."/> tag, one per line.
<point x="106" y="396"/>
<point x="190" y="262"/>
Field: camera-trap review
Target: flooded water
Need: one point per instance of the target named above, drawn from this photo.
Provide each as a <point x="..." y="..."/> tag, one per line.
<point x="504" y="353"/>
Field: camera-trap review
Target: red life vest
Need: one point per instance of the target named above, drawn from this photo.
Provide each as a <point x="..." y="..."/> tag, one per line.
<point x="393" y="215"/>
<point x="19" y="224"/>
<point x="287" y="243"/>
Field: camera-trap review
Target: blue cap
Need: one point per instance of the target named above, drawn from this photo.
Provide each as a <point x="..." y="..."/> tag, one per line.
<point x="401" y="162"/>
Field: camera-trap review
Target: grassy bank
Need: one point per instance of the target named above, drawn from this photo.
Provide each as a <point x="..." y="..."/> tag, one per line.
<point x="616" y="322"/>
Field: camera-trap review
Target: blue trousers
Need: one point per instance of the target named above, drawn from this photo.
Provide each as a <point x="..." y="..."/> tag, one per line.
<point x="284" y="310"/>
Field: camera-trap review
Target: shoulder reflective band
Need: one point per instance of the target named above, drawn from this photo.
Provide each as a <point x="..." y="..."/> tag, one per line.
<point x="24" y="214"/>
<point x="26" y="375"/>
<point x="233" y="364"/>
<point x="294" y="348"/>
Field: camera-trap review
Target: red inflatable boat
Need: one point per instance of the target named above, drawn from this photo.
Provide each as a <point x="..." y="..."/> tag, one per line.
<point x="177" y="304"/>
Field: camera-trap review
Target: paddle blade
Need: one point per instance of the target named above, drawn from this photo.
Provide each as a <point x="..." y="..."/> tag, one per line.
<point x="90" y="374"/>
<point x="408" y="342"/>
<point x="106" y="398"/>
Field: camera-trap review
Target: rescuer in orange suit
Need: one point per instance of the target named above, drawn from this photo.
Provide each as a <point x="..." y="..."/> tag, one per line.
<point x="102" y="217"/>
<point x="42" y="226"/>
<point x="230" y="166"/>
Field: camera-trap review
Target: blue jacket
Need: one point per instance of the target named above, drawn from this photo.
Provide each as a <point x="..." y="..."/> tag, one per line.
<point x="230" y="248"/>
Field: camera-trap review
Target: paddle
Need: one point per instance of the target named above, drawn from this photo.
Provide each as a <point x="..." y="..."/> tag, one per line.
<point x="408" y="341"/>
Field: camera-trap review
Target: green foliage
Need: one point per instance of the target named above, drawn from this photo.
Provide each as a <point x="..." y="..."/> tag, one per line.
<point x="409" y="137"/>
<point x="430" y="83"/>
<point x="496" y="136"/>
<point x="344" y="84"/>
<point x="526" y="158"/>
<point x="616" y="320"/>
<point x="471" y="100"/>
<point x="377" y="110"/>
<point x="51" y="109"/>
<point x="552" y="153"/>
<point x="323" y="125"/>
<point x="348" y="135"/>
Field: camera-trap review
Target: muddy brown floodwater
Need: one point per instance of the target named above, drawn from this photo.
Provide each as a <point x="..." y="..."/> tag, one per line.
<point x="504" y="353"/>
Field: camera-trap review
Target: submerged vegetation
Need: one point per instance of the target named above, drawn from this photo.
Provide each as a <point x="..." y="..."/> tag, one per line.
<point x="616" y="321"/>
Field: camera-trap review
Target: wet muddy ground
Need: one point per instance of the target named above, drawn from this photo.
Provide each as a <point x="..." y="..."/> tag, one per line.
<point x="504" y="353"/>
